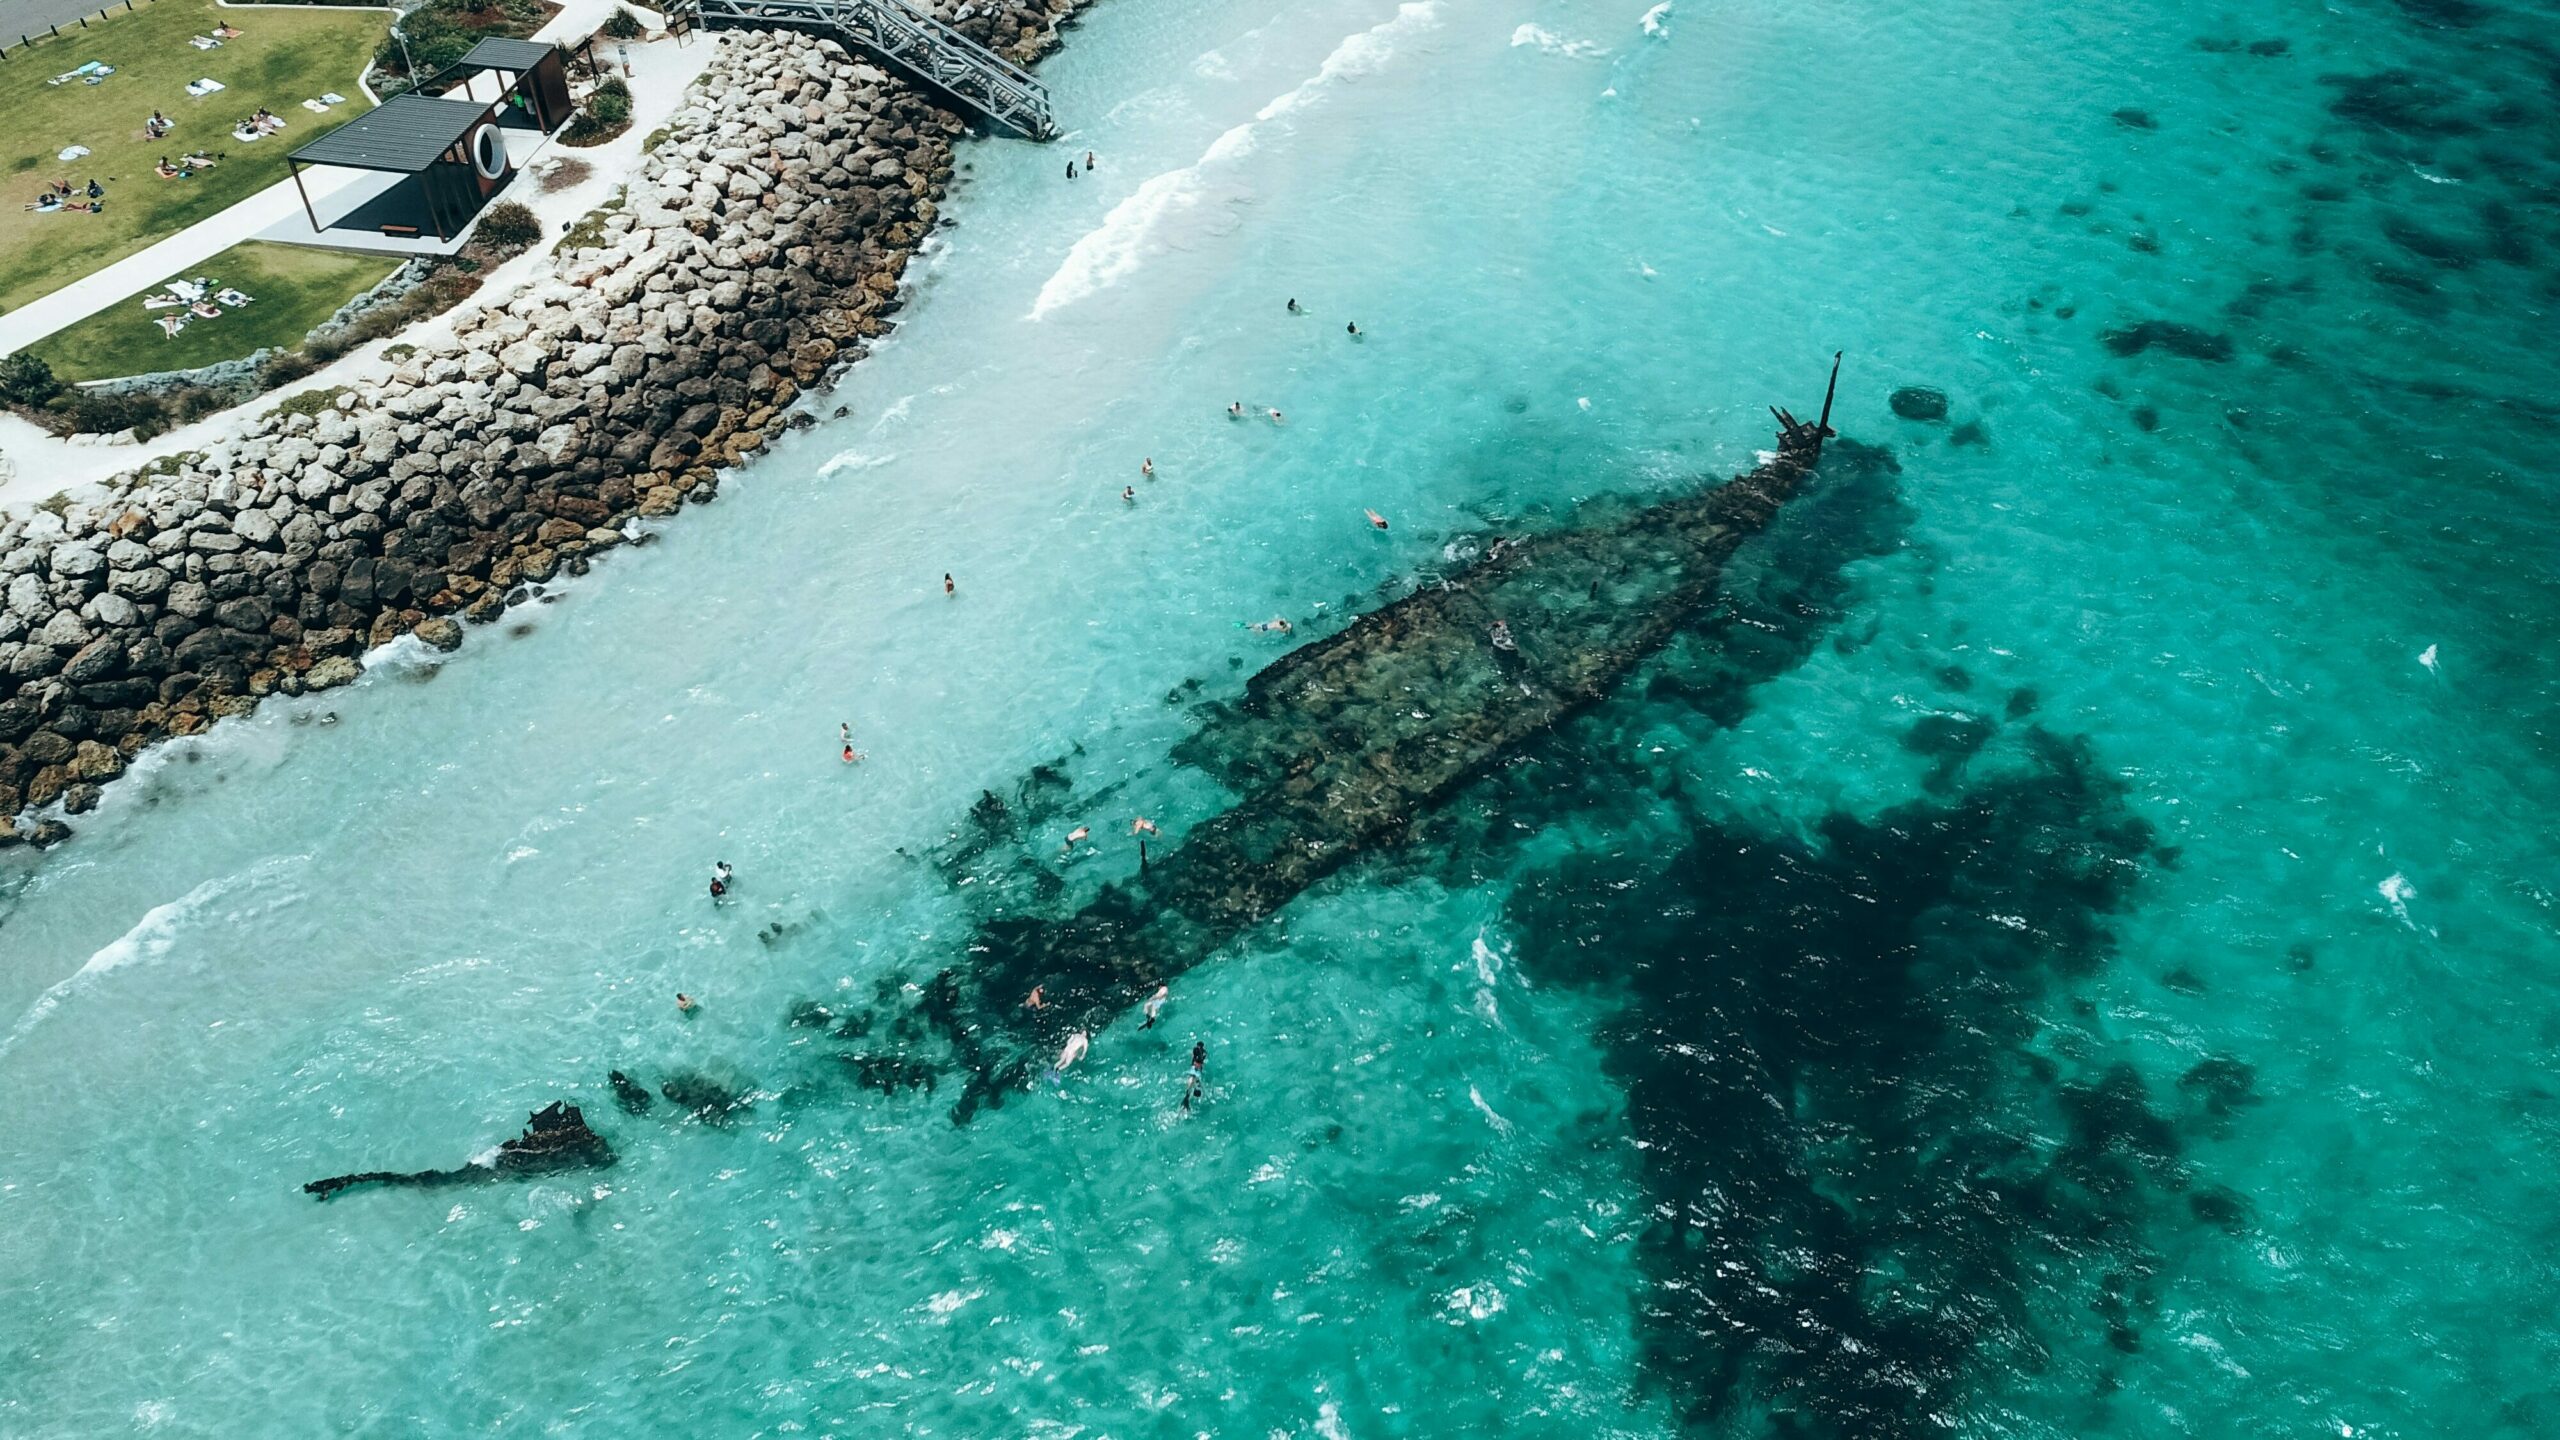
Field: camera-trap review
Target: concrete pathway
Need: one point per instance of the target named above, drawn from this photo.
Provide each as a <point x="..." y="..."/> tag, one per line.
<point x="35" y="465"/>
<point x="34" y="17"/>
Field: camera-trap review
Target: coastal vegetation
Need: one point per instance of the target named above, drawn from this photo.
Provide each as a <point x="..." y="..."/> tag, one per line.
<point x="605" y="114"/>
<point x="279" y="58"/>
<point x="441" y="32"/>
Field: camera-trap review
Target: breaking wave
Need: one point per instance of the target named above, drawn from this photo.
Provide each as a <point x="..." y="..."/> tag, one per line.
<point x="1126" y="237"/>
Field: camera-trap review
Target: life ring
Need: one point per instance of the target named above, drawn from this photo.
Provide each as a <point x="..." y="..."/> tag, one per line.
<point x="489" y="153"/>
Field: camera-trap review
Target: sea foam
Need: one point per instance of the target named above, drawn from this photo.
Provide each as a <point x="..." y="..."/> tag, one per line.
<point x="1554" y="44"/>
<point x="151" y="938"/>
<point x="1127" y="236"/>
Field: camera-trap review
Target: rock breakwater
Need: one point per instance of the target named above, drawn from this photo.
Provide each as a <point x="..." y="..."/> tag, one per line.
<point x="759" y="248"/>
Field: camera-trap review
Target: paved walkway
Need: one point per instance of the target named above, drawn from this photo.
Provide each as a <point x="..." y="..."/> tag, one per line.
<point x="34" y="17"/>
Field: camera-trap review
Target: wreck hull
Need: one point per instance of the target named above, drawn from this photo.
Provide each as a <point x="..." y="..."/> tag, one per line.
<point x="1339" y="746"/>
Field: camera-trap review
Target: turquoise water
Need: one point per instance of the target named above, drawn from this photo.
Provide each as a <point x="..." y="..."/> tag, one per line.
<point x="2087" y="972"/>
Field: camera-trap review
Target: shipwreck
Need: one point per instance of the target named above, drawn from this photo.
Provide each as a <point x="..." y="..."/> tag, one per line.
<point x="555" y="1138"/>
<point x="1338" y="747"/>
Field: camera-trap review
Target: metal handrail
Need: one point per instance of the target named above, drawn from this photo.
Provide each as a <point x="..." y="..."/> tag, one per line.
<point x="909" y="40"/>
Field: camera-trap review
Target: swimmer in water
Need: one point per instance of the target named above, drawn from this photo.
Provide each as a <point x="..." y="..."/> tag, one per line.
<point x="1147" y="466"/>
<point x="1235" y="411"/>
<point x="1076" y="836"/>
<point x="1293" y="304"/>
<point x="719" y="887"/>
<point x="1071" y="1052"/>
<point x="1354" y="328"/>
<point x="947" y="587"/>
<point x="1143" y="826"/>
<point x="1129" y="493"/>
<point x="1276" y="625"/>
<point x="685" y="1002"/>
<point x="1376" y="520"/>
<point x="844" y="729"/>
<point x="1199" y="1061"/>
<point x="1155" y="1006"/>
<point x="1088" y="162"/>
<point x="1502" y="636"/>
<point x="1033" y="999"/>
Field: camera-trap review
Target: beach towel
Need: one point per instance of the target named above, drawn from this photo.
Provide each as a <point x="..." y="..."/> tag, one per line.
<point x="232" y="298"/>
<point x="204" y="42"/>
<point x="203" y="87"/>
<point x="160" y="302"/>
<point x="333" y="97"/>
<point x="315" y="107"/>
<point x="72" y="152"/>
<point x="187" y="290"/>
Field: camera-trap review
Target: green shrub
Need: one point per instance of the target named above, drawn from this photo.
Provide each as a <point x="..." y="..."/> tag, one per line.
<point x="611" y="101"/>
<point x="623" y="25"/>
<point x="195" y="402"/>
<point x="95" y="412"/>
<point x="26" y="380"/>
<point x="311" y="402"/>
<point x="441" y="32"/>
<point x="284" y="369"/>
<point x="508" y="225"/>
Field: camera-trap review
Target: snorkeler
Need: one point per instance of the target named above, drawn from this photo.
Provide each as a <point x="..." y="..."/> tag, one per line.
<point x="1276" y="625"/>
<point x="1155" y="1006"/>
<point x="1076" y="836"/>
<point x="1199" y="1062"/>
<point x="1376" y="520"/>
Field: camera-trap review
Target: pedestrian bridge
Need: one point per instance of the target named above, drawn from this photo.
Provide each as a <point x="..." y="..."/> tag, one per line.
<point x="907" y="40"/>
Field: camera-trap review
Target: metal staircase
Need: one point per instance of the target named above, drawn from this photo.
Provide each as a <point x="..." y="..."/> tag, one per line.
<point x="907" y="40"/>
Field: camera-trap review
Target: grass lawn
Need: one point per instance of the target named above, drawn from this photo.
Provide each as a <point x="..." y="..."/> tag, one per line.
<point x="292" y="287"/>
<point x="287" y="54"/>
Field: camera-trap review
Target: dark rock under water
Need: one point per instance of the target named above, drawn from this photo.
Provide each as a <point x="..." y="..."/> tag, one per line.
<point x="2189" y="341"/>
<point x="1856" y="1128"/>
